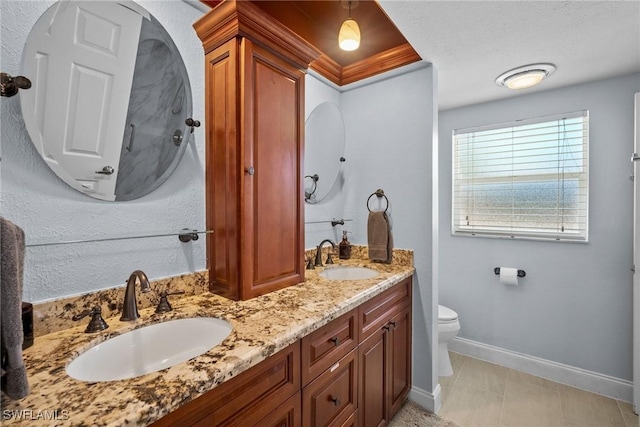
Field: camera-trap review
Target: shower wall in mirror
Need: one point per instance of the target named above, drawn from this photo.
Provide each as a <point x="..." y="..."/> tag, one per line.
<point x="110" y="98"/>
<point x="48" y="210"/>
<point x="155" y="135"/>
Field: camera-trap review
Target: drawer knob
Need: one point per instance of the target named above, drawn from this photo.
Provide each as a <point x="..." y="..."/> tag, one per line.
<point x="393" y="324"/>
<point x="335" y="400"/>
<point x="336" y="341"/>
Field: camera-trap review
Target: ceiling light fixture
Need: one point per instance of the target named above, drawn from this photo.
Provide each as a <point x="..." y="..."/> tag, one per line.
<point x="525" y="76"/>
<point x="349" y="35"/>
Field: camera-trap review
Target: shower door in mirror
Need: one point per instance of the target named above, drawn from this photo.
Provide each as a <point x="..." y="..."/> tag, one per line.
<point x="83" y="73"/>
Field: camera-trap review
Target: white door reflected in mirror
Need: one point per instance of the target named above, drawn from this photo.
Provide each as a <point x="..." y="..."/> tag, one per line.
<point x="100" y="70"/>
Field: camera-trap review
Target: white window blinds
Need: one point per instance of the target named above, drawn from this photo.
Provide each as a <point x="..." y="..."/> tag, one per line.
<point x="523" y="179"/>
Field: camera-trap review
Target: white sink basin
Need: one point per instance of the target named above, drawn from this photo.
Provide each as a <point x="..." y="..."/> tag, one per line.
<point x="348" y="273"/>
<point x="149" y="349"/>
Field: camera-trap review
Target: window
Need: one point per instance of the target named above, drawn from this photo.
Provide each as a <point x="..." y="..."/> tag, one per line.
<point x="524" y="179"/>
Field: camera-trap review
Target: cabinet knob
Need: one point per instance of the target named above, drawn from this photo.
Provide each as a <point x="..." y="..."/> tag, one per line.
<point x="336" y="341"/>
<point x="250" y="170"/>
<point x="389" y="325"/>
<point x="335" y="400"/>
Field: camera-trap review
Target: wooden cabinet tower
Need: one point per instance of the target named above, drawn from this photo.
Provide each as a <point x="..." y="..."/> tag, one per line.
<point x="254" y="83"/>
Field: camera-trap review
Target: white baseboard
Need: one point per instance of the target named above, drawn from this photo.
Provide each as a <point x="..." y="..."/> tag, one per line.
<point x="576" y="377"/>
<point x="429" y="401"/>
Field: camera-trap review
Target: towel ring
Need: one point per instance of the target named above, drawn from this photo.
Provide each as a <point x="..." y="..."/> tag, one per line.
<point x="379" y="193"/>
<point x="309" y="194"/>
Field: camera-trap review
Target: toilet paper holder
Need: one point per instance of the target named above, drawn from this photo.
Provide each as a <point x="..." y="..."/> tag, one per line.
<point x="521" y="273"/>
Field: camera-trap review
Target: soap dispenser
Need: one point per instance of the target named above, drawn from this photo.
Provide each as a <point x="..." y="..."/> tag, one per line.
<point x="344" y="248"/>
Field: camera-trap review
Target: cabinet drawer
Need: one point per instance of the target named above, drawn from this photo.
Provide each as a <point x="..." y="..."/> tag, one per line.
<point x="352" y="421"/>
<point x="325" y="346"/>
<point x="289" y="414"/>
<point x="331" y="399"/>
<point x="250" y="394"/>
<point x="376" y="312"/>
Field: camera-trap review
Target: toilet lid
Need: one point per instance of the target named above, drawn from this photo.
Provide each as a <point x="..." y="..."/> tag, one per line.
<point x="445" y="313"/>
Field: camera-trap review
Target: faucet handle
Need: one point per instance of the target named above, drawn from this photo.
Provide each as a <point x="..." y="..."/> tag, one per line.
<point x="96" y="324"/>
<point x="310" y="265"/>
<point x="329" y="259"/>
<point x="163" y="305"/>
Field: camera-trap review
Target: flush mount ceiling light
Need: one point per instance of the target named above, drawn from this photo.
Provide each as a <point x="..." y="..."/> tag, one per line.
<point x="526" y="76"/>
<point x="349" y="35"/>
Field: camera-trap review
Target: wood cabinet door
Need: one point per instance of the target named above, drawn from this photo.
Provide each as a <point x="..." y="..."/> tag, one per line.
<point x="399" y="352"/>
<point x="385" y="356"/>
<point x="372" y="405"/>
<point x="254" y="111"/>
<point x="272" y="211"/>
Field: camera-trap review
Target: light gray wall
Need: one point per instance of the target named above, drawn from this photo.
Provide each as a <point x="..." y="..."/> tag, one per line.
<point x="48" y="210"/>
<point x="389" y="146"/>
<point x="574" y="306"/>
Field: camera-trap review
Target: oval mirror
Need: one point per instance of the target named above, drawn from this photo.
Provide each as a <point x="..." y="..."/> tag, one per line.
<point x="324" y="151"/>
<point x="107" y="114"/>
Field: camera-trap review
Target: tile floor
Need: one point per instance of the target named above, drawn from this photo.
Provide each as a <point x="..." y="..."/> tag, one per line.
<point x="483" y="394"/>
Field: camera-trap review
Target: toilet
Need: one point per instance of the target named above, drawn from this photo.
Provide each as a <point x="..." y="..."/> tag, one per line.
<point x="448" y="327"/>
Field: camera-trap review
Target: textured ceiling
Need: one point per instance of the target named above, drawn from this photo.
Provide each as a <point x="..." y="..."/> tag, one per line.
<point x="470" y="43"/>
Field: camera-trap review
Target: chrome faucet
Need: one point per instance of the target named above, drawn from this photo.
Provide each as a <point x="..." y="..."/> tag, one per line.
<point x="318" y="262"/>
<point x="130" y="305"/>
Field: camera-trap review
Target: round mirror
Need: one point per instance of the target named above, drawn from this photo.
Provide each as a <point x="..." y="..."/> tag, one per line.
<point x="324" y="150"/>
<point x="109" y="99"/>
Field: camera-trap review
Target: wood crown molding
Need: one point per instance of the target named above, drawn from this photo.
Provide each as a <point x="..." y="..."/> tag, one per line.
<point x="311" y="19"/>
<point x="237" y="18"/>
<point x="368" y="67"/>
<point x="384" y="61"/>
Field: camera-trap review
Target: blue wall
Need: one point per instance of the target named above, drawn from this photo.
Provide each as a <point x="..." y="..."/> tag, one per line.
<point x="575" y="305"/>
<point x="390" y="143"/>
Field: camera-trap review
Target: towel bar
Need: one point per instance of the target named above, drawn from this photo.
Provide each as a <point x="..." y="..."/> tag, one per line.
<point x="181" y="235"/>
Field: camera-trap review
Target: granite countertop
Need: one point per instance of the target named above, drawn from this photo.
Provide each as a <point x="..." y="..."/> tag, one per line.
<point x="261" y="327"/>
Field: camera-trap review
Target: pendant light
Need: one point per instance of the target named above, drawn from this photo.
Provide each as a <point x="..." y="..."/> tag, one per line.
<point x="349" y="35"/>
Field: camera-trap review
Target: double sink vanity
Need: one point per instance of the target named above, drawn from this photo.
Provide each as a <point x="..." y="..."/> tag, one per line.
<point x="268" y="343"/>
<point x="297" y="356"/>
